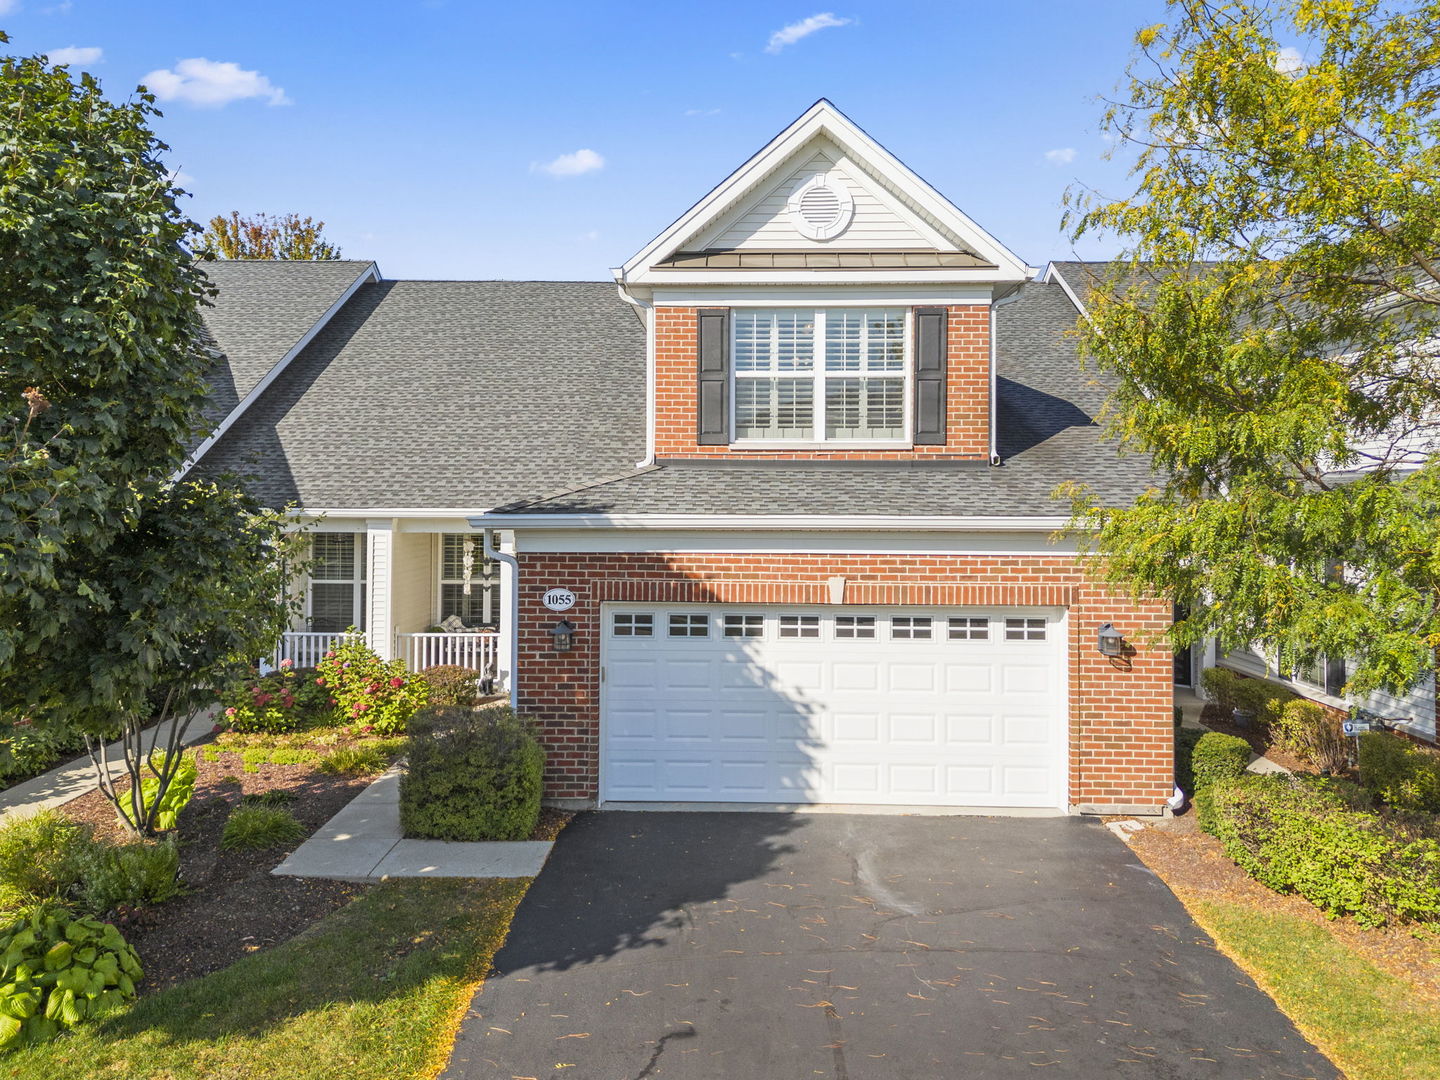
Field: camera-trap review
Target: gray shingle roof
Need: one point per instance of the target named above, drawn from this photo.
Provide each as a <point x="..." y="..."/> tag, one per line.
<point x="449" y="394"/>
<point x="264" y="307"/>
<point x="1045" y="412"/>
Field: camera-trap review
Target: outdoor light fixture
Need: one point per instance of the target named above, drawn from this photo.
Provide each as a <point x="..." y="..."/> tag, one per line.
<point x="563" y="635"/>
<point x="1109" y="641"/>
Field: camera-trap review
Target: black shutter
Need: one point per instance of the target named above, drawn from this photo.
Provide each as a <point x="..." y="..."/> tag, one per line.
<point x="930" y="357"/>
<point x="713" y="401"/>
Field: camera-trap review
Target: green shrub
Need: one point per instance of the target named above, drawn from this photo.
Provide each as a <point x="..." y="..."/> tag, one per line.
<point x="1229" y="690"/>
<point x="279" y="702"/>
<point x="1399" y="773"/>
<point x="41" y="857"/>
<point x="1222" y="687"/>
<point x="1318" y="838"/>
<point x="142" y="872"/>
<point x="1215" y="757"/>
<point x="57" y="971"/>
<point x="255" y="827"/>
<point x="473" y="775"/>
<point x="1313" y="734"/>
<point x="371" y="694"/>
<point x="451" y="684"/>
<point x="273" y="797"/>
<point x="1185" y="740"/>
<point x="284" y="755"/>
<point x="28" y="749"/>
<point x="356" y="760"/>
<point x="180" y="791"/>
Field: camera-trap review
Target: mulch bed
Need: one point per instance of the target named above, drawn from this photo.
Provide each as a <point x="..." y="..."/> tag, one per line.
<point x="233" y="905"/>
<point x="1195" y="867"/>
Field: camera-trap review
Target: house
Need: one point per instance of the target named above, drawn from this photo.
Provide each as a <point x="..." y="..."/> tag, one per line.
<point x="766" y="519"/>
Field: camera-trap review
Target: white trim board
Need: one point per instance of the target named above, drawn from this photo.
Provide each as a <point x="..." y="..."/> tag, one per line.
<point x="745" y="522"/>
<point x="370" y="273"/>
<point x="782" y="543"/>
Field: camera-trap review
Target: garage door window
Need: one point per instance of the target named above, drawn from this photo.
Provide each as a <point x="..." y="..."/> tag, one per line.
<point x="915" y="627"/>
<point x="854" y="626"/>
<point x="689" y="625"/>
<point x="800" y="626"/>
<point x="744" y="625"/>
<point x="1024" y="629"/>
<point x="969" y="628"/>
<point x="626" y="625"/>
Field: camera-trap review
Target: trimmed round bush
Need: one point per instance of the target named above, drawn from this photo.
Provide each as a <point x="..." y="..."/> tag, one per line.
<point x="473" y="775"/>
<point x="1216" y="757"/>
<point x="1320" y="838"/>
<point x="1399" y="773"/>
<point x="451" y="684"/>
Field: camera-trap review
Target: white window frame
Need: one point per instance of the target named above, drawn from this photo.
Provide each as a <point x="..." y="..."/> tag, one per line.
<point x="359" y="584"/>
<point x="488" y="584"/>
<point x="819" y="375"/>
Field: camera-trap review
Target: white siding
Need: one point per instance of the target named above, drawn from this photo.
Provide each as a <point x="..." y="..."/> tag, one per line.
<point x="380" y="629"/>
<point x="765" y="222"/>
<point x="414" y="587"/>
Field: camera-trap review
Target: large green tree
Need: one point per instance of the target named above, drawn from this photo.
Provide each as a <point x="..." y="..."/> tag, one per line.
<point x="1271" y="328"/>
<point x="120" y="587"/>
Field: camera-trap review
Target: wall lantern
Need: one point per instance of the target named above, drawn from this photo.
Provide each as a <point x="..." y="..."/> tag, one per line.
<point x="1109" y="641"/>
<point x="562" y="635"/>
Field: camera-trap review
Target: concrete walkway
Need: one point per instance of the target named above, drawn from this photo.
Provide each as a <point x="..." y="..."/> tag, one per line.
<point x="363" y="843"/>
<point x="67" y="782"/>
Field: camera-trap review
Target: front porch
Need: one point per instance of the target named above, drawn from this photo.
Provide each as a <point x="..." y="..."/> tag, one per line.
<point x="417" y="590"/>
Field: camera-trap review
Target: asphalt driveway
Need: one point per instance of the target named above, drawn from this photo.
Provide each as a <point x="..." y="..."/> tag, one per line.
<point x="680" y="946"/>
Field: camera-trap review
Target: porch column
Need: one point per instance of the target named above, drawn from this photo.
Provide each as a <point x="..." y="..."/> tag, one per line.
<point x="379" y="586"/>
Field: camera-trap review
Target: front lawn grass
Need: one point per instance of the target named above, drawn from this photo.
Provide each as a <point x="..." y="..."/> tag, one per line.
<point x="1371" y="1024"/>
<point x="375" y="990"/>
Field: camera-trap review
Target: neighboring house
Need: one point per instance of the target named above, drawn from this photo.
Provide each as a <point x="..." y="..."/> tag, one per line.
<point x="1323" y="681"/>
<point x="771" y="512"/>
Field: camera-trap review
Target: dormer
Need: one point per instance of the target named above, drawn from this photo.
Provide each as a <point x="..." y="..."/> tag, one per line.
<point x="822" y="302"/>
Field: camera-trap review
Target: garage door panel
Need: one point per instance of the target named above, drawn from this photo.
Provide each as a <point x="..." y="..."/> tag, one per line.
<point x="962" y="720"/>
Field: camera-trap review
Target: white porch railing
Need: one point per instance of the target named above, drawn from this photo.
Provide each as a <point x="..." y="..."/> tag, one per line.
<point x="305" y="648"/>
<point x="479" y="652"/>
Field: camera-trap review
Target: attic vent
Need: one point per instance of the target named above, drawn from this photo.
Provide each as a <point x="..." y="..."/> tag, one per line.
<point x="821" y="207"/>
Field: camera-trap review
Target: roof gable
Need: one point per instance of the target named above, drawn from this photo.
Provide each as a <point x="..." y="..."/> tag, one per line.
<point x="892" y="209"/>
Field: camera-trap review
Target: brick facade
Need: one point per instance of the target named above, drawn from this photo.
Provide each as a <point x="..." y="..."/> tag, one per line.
<point x="1121" y="733"/>
<point x="967" y="391"/>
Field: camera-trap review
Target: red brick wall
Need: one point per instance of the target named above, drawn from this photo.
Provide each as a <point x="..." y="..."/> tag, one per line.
<point x="967" y="388"/>
<point x="1121" y="734"/>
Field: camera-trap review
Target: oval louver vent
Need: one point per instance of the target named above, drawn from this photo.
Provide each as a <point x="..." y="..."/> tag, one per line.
<point x="821" y="208"/>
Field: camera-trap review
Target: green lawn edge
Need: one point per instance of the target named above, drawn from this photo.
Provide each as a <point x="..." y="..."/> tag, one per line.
<point x="374" y="990"/>
<point x="1370" y="1023"/>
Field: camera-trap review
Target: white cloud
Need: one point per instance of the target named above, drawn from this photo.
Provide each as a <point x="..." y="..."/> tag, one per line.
<point x="212" y="83"/>
<point x="1288" y="61"/>
<point x="1063" y="156"/>
<point x="788" y="35"/>
<point x="182" y="179"/>
<point x="73" y="54"/>
<point x="702" y="112"/>
<point x="581" y="161"/>
<point x="591" y="236"/>
<point x="8" y="7"/>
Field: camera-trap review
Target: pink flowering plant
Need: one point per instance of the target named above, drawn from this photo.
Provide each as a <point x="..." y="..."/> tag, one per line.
<point x="283" y="701"/>
<point x="374" y="697"/>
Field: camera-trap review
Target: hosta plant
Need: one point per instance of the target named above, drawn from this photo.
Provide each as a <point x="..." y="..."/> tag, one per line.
<point x="57" y="971"/>
<point x="165" y="815"/>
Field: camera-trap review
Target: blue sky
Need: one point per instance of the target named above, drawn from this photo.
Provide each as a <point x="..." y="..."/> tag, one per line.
<point x="420" y="130"/>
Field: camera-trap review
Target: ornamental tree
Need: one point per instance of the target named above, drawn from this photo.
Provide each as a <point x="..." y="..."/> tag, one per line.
<point x="287" y="236"/>
<point x="125" y="591"/>
<point x="1271" y="329"/>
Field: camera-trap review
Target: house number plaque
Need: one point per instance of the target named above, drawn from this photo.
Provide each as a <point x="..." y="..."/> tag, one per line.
<point x="558" y="599"/>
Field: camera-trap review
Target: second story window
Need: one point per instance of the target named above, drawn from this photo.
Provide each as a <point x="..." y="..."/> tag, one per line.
<point x="831" y="375"/>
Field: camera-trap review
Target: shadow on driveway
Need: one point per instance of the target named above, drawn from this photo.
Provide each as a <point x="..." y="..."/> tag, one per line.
<point x="858" y="947"/>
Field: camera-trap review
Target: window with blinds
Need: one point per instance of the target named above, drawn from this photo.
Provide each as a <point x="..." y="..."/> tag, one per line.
<point x="336" y="594"/>
<point x="479" y="605"/>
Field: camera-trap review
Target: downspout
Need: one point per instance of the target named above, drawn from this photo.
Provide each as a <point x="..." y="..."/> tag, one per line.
<point x="512" y="614"/>
<point x="1005" y="299"/>
<point x="647" y="319"/>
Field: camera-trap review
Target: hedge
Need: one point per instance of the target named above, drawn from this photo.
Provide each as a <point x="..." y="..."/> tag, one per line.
<point x="473" y="775"/>
<point x="1399" y="773"/>
<point x="1229" y="691"/>
<point x="1320" y="839"/>
<point x="1216" y="757"/>
<point x="451" y="684"/>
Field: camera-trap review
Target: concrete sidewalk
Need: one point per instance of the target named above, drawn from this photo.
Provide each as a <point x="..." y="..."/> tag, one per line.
<point x="75" y="778"/>
<point x="363" y="843"/>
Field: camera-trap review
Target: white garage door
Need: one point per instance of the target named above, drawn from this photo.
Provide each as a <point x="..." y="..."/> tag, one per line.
<point x="925" y="706"/>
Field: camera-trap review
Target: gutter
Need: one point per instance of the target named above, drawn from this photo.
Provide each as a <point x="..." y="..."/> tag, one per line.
<point x="512" y="614"/>
<point x="647" y="319"/>
<point x="791" y="522"/>
<point x="369" y="274"/>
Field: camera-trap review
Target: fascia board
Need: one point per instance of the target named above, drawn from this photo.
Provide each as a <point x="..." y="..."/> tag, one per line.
<point x="800" y="522"/>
